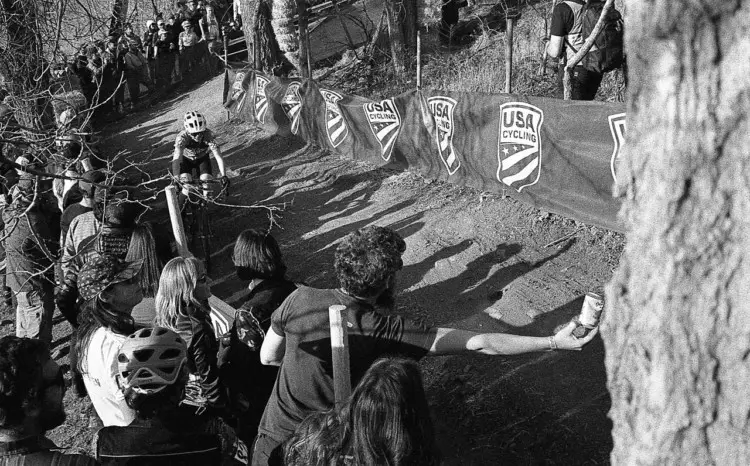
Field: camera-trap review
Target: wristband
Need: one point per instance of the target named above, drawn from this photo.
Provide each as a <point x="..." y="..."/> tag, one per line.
<point x="552" y="343"/>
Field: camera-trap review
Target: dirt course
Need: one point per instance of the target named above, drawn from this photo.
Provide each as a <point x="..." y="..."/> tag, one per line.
<point x="473" y="260"/>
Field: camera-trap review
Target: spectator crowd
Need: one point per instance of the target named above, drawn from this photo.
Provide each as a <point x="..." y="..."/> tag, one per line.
<point x="175" y="49"/>
<point x="165" y="387"/>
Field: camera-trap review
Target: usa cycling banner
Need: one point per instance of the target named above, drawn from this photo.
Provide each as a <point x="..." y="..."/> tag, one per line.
<point x="560" y="156"/>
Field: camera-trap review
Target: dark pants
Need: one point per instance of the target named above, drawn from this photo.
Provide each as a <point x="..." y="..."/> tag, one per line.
<point x="164" y="68"/>
<point x="267" y="451"/>
<point x="584" y="83"/>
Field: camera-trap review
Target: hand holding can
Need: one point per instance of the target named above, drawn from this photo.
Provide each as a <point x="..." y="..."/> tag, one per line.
<point x="591" y="312"/>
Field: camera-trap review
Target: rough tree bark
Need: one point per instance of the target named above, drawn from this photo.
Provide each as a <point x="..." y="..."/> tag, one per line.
<point x="119" y="16"/>
<point x="396" y="36"/>
<point x="260" y="36"/>
<point x="677" y="333"/>
<point x="21" y="60"/>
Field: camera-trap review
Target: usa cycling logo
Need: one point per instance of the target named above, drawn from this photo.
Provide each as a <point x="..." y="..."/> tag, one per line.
<point x="519" y="145"/>
<point x="617" y="128"/>
<point x="335" y="125"/>
<point x="385" y="124"/>
<point x="442" y="110"/>
<point x="261" y="100"/>
<point x="291" y="103"/>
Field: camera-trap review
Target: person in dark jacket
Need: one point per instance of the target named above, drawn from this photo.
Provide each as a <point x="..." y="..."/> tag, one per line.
<point x="182" y="306"/>
<point x="31" y="249"/>
<point x="165" y="54"/>
<point x="31" y="404"/>
<point x="257" y="259"/>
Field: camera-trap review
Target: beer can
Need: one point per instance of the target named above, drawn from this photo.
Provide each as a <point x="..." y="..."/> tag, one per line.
<point x="591" y="311"/>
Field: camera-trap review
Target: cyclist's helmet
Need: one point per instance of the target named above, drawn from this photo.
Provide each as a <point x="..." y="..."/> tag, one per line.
<point x="194" y="122"/>
<point x="151" y="359"/>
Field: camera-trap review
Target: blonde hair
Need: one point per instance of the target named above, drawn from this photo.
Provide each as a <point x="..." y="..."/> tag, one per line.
<point x="177" y="290"/>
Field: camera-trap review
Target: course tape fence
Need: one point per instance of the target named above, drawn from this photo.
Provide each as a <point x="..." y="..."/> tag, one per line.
<point x="559" y="156"/>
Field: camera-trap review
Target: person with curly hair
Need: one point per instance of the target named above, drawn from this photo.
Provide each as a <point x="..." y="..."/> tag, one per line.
<point x="366" y="263"/>
<point x="31" y="403"/>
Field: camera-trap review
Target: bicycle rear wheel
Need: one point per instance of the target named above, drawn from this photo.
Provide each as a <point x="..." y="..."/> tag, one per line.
<point x="202" y="237"/>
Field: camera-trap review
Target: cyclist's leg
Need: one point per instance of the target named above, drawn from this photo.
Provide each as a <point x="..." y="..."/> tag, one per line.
<point x="206" y="175"/>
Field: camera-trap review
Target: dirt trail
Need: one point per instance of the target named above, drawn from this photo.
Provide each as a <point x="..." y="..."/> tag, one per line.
<point x="474" y="260"/>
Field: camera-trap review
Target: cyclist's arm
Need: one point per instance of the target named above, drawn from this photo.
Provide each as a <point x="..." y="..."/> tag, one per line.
<point x="176" y="160"/>
<point x="219" y="159"/>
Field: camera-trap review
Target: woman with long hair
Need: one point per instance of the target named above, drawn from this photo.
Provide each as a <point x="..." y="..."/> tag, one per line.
<point x="257" y="259"/>
<point x="387" y="420"/>
<point x="143" y="247"/>
<point x="109" y="289"/>
<point x="182" y="306"/>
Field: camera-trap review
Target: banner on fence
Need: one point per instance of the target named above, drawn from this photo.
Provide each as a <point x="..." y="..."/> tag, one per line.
<point x="560" y="156"/>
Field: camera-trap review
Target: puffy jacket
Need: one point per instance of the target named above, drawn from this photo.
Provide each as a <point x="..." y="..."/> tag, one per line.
<point x="203" y="347"/>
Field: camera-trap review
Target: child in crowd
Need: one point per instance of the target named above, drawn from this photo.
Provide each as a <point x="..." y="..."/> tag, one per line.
<point x="109" y="289"/>
<point x="182" y="306"/>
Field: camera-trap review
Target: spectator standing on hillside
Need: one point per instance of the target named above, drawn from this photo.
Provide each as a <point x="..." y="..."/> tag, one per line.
<point x="572" y="21"/>
<point x="130" y="38"/>
<point x="366" y="263"/>
<point x="109" y="290"/>
<point x="31" y="404"/>
<point x="135" y="70"/>
<point x="165" y="53"/>
<point x="209" y="27"/>
<point x="30" y="250"/>
<point x="87" y="187"/>
<point x="188" y="44"/>
<point x="113" y="83"/>
<point x="110" y="233"/>
<point x="149" y="46"/>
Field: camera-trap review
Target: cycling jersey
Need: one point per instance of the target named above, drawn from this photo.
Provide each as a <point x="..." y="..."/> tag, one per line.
<point x="192" y="149"/>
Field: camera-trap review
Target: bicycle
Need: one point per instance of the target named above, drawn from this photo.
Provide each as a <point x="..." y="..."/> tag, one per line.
<point x="195" y="216"/>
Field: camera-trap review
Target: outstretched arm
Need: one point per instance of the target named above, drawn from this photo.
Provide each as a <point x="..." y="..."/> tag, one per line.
<point x="449" y="340"/>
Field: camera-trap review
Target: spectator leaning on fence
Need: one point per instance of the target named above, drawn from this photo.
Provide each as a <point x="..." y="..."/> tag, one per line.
<point x="366" y="264"/>
<point x="31" y="404"/>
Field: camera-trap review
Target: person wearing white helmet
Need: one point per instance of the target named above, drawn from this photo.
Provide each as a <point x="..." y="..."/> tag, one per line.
<point x="151" y="372"/>
<point x="193" y="148"/>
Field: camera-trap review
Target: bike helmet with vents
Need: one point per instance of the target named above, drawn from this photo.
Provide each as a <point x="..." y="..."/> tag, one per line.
<point x="151" y="359"/>
<point x="194" y="122"/>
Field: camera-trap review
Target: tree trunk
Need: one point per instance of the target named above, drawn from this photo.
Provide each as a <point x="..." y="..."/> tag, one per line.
<point x="409" y="21"/>
<point x="677" y="329"/>
<point x="304" y="40"/>
<point x="119" y="16"/>
<point x="22" y="61"/>
<point x="261" y="38"/>
<point x="396" y="38"/>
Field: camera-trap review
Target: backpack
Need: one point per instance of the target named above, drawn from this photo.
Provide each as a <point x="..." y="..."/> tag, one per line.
<point x="607" y="52"/>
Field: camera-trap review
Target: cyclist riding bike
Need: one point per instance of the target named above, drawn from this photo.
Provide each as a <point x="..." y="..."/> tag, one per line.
<point x="193" y="148"/>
